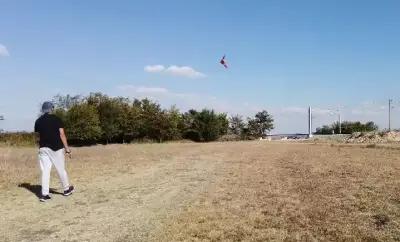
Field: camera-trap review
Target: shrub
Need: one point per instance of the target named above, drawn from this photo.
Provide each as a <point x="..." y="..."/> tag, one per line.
<point x="18" y="139"/>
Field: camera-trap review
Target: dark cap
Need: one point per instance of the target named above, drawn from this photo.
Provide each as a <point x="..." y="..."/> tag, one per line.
<point x="47" y="107"/>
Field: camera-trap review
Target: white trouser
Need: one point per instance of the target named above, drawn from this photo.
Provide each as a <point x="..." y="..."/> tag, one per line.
<point x="48" y="157"/>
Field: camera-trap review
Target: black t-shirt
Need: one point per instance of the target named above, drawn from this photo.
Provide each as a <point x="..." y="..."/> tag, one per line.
<point x="48" y="126"/>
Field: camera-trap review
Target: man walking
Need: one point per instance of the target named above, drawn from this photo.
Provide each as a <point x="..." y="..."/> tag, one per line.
<point x="52" y="145"/>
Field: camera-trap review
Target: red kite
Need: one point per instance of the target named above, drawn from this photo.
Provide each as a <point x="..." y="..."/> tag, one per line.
<point x="223" y="62"/>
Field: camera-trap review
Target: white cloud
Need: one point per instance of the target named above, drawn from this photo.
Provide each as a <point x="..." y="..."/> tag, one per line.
<point x="154" y="68"/>
<point x="184" y="71"/>
<point x="174" y="70"/>
<point x="3" y="51"/>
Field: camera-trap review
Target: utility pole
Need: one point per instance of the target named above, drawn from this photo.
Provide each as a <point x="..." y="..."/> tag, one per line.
<point x="309" y="122"/>
<point x="340" y="122"/>
<point x="1" y="118"/>
<point x="390" y="109"/>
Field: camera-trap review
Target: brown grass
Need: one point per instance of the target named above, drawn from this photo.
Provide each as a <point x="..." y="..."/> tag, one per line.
<point x="239" y="191"/>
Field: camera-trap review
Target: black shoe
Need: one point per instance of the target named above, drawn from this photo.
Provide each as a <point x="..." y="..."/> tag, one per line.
<point x="69" y="191"/>
<point x="44" y="198"/>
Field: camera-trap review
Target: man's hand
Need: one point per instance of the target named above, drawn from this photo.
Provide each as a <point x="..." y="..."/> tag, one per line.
<point x="68" y="152"/>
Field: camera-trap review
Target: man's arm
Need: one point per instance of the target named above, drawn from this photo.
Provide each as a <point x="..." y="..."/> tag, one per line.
<point x="64" y="140"/>
<point x="37" y="138"/>
<point x="36" y="133"/>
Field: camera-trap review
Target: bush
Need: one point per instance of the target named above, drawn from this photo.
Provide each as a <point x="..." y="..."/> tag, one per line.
<point x="98" y="118"/>
<point x="18" y="139"/>
<point x="204" y="126"/>
<point x="192" y="134"/>
<point x="82" y="124"/>
<point x="348" y="127"/>
<point x="230" y="137"/>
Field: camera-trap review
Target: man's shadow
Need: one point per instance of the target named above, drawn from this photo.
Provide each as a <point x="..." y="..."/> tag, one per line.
<point x="36" y="189"/>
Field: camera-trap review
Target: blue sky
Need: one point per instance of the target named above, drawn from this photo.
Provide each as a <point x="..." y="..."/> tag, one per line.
<point x="283" y="56"/>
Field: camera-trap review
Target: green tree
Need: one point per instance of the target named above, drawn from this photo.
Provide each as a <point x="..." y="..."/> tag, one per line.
<point x="236" y="124"/>
<point x="260" y="124"/>
<point x="82" y="124"/>
<point x="153" y="120"/>
<point x="174" y="119"/>
<point x="223" y="123"/>
<point x="208" y="125"/>
<point x="325" y="129"/>
<point x="190" y="126"/>
<point x="100" y="118"/>
<point x="132" y="126"/>
<point x="61" y="113"/>
<point x="347" y="127"/>
<point x="113" y="115"/>
<point x="205" y="125"/>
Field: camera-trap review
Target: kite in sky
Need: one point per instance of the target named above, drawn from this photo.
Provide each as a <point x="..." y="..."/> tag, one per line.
<point x="223" y="62"/>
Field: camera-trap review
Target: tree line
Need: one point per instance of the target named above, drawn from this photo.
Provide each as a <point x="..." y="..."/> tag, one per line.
<point x="347" y="127"/>
<point x="98" y="118"/>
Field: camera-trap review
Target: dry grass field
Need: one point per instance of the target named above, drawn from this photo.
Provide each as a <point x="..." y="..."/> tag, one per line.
<point x="239" y="191"/>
